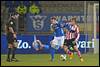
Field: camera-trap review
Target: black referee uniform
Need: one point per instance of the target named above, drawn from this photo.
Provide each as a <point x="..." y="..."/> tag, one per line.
<point x="11" y="39"/>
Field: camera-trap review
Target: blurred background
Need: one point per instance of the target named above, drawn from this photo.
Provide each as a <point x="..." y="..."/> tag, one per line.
<point x="34" y="18"/>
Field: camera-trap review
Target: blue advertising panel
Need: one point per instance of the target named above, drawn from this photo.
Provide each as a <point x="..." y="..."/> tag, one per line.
<point x="41" y="23"/>
<point x="25" y="44"/>
<point x="37" y="23"/>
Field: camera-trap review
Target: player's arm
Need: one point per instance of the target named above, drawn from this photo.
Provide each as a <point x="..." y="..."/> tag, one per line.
<point x="12" y="31"/>
<point x="51" y="28"/>
<point x="61" y="25"/>
<point x="6" y="30"/>
<point x="78" y="34"/>
<point x="68" y="27"/>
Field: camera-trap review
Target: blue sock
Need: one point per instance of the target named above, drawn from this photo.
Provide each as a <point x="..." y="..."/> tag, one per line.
<point x="52" y="52"/>
<point x="46" y="46"/>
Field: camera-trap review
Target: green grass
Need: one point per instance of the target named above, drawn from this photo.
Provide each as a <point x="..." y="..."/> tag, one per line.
<point x="44" y="60"/>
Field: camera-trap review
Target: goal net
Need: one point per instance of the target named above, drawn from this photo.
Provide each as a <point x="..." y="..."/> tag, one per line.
<point x="92" y="25"/>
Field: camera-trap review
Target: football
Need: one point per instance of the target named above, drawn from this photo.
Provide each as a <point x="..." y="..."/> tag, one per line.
<point x="62" y="57"/>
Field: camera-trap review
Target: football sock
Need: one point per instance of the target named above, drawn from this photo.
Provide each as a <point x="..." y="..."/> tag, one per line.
<point x="46" y="46"/>
<point x="52" y="52"/>
<point x="13" y="52"/>
<point x="79" y="54"/>
<point x="9" y="51"/>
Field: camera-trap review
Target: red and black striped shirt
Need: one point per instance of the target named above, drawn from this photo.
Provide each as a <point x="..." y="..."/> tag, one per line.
<point x="76" y="34"/>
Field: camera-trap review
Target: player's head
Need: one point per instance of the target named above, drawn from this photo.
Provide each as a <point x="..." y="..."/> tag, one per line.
<point x="65" y="21"/>
<point x="73" y="20"/>
<point x="53" y="20"/>
<point x="35" y="45"/>
<point x="14" y="15"/>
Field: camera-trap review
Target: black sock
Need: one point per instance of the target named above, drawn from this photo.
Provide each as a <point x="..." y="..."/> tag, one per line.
<point x="9" y="51"/>
<point x="13" y="52"/>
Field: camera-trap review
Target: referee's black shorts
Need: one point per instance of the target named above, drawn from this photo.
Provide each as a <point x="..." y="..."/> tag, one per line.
<point x="69" y="42"/>
<point x="10" y="38"/>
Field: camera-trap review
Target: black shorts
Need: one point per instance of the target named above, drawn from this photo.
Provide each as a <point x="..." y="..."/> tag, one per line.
<point x="69" y="42"/>
<point x="10" y="38"/>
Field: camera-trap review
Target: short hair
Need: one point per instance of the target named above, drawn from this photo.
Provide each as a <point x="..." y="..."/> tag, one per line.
<point x="53" y="17"/>
<point x="13" y="14"/>
<point x="74" y="18"/>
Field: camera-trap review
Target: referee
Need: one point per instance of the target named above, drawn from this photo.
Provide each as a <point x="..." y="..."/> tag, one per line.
<point x="11" y="37"/>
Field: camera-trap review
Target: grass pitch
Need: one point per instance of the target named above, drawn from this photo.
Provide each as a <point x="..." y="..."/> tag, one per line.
<point x="44" y="60"/>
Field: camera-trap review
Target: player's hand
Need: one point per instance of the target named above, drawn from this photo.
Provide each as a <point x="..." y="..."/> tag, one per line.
<point x="14" y="35"/>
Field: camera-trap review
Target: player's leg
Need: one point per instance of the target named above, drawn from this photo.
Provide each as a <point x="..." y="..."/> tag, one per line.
<point x="66" y="45"/>
<point x="43" y="46"/>
<point x="9" y="52"/>
<point x="70" y="54"/>
<point x="52" y="53"/>
<point x="78" y="53"/>
<point x="61" y="43"/>
<point x="74" y="44"/>
<point x="51" y="48"/>
<point x="38" y="43"/>
<point x="13" y="51"/>
<point x="13" y="54"/>
<point x="10" y="46"/>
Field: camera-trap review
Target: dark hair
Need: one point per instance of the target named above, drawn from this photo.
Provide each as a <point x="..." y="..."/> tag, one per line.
<point x="14" y="13"/>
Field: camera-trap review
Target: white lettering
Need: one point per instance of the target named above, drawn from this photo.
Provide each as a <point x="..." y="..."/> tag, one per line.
<point x="84" y="44"/>
<point x="19" y="44"/>
<point x="23" y="45"/>
<point x="88" y="44"/>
